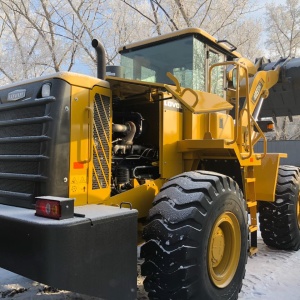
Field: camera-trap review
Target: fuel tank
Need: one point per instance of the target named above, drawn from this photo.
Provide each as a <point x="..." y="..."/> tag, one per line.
<point x="284" y="97"/>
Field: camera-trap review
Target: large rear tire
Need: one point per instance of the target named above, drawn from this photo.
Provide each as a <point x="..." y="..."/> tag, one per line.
<point x="280" y="220"/>
<point x="196" y="239"/>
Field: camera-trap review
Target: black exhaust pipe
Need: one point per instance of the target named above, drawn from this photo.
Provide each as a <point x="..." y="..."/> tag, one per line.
<point x="101" y="62"/>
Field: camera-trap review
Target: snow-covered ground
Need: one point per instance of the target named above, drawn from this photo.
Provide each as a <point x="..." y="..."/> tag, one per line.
<point x="270" y="275"/>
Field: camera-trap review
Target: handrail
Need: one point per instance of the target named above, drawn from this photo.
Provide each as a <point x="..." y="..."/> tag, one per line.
<point x="256" y="139"/>
<point x="90" y="136"/>
<point x="249" y="130"/>
<point x="182" y="92"/>
<point x="237" y="94"/>
<point x="239" y="114"/>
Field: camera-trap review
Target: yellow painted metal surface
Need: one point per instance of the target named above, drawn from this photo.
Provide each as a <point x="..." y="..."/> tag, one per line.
<point x="215" y="148"/>
<point x="170" y="160"/>
<point x="81" y="80"/>
<point x="199" y="101"/>
<point x="224" y="249"/>
<point x="193" y="125"/>
<point x="298" y="210"/>
<point x="129" y="88"/>
<point x="220" y="125"/>
<point x="141" y="197"/>
<point x="250" y="196"/>
<point x="79" y="145"/>
<point x="82" y="146"/>
<point x="251" y="67"/>
<point x="259" y="87"/>
<point x="266" y="176"/>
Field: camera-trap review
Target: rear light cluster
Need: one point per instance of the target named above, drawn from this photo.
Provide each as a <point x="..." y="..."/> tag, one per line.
<point x="54" y="207"/>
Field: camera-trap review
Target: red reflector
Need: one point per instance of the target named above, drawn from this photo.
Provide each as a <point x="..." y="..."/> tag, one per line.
<point x="78" y="165"/>
<point x="54" y="207"/>
<point x="48" y="209"/>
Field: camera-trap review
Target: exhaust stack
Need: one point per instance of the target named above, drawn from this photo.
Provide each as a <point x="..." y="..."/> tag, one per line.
<point x="101" y="62"/>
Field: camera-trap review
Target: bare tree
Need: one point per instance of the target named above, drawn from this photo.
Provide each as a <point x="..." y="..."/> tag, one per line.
<point x="245" y="35"/>
<point x="18" y="65"/>
<point x="283" y="40"/>
<point x="33" y="39"/>
<point x="77" y="23"/>
<point x="48" y="36"/>
<point x="127" y="24"/>
<point x="283" y="29"/>
<point x="53" y="35"/>
<point x="229" y="19"/>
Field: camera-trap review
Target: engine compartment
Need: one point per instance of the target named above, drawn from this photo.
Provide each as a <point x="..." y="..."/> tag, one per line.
<point x="135" y="152"/>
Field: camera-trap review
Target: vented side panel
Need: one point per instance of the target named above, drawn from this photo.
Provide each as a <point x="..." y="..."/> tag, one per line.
<point x="101" y="135"/>
<point x="21" y="136"/>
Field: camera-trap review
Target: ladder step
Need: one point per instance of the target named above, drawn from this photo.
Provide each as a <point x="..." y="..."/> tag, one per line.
<point x="251" y="203"/>
<point x="253" y="228"/>
<point x="253" y="250"/>
<point x="249" y="180"/>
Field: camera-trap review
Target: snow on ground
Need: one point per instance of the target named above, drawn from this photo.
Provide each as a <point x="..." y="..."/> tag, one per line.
<point x="270" y="275"/>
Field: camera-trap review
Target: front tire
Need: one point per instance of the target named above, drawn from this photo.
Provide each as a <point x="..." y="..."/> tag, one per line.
<point x="280" y="220"/>
<point x="196" y="239"/>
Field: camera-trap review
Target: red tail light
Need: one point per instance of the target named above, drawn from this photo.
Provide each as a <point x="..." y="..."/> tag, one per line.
<point x="54" y="207"/>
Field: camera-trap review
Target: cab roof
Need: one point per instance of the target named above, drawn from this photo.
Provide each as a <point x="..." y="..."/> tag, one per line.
<point x="222" y="45"/>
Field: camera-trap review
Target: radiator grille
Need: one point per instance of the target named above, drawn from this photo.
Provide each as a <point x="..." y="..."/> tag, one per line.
<point x="22" y="133"/>
<point x="17" y="131"/>
<point x="101" y="148"/>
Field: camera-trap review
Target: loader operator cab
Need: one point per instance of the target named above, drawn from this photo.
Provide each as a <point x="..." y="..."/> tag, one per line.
<point x="187" y="55"/>
<point x="184" y="59"/>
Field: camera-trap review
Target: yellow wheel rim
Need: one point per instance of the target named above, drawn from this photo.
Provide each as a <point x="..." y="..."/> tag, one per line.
<point x="224" y="249"/>
<point x="298" y="210"/>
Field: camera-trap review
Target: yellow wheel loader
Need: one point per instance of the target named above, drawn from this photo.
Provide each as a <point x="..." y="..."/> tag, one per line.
<point x="158" y="153"/>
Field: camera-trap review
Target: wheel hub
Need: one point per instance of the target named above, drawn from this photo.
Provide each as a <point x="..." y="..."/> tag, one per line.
<point x="224" y="249"/>
<point x="218" y="246"/>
